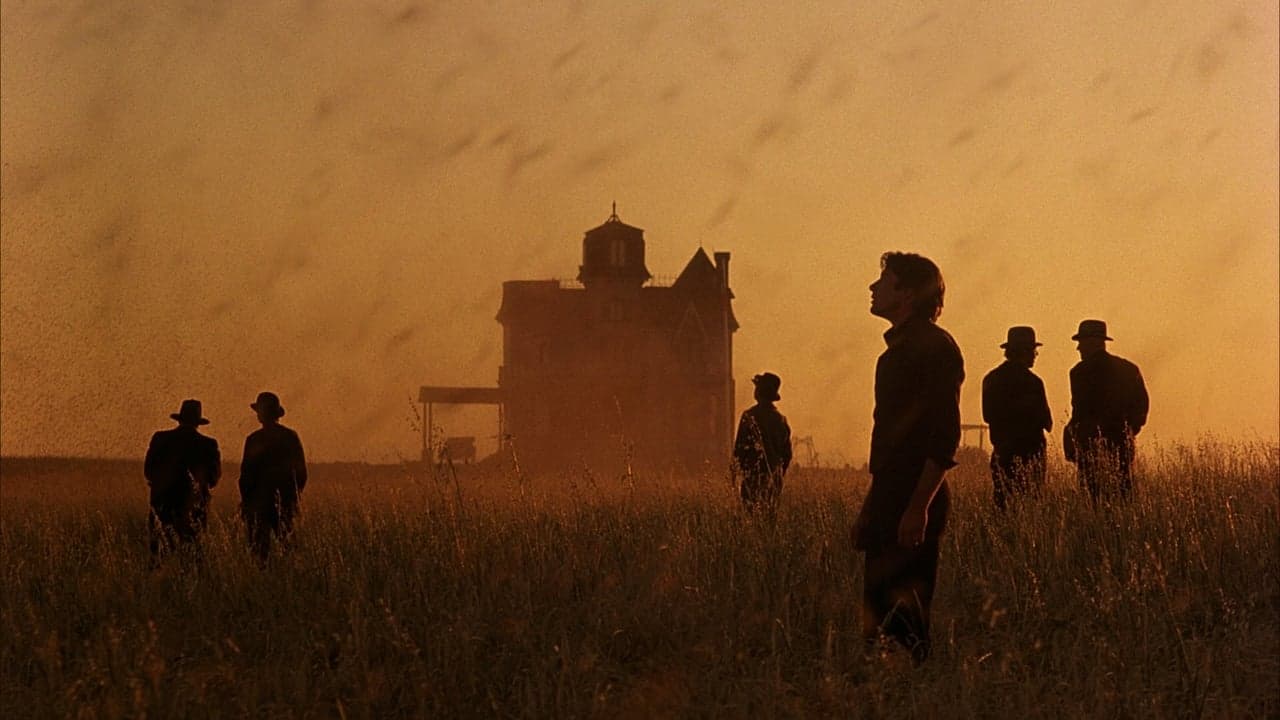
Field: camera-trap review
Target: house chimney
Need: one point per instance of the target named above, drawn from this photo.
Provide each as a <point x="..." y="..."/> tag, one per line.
<point x="722" y="264"/>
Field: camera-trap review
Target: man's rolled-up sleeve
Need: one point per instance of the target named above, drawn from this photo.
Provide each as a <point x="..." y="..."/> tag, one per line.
<point x="942" y="372"/>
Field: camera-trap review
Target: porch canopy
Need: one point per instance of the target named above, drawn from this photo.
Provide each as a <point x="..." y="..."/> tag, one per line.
<point x="432" y="395"/>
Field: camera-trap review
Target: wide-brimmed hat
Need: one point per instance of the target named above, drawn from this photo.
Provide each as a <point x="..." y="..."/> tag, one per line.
<point x="268" y="403"/>
<point x="1092" y="329"/>
<point x="1021" y="336"/>
<point x="190" y="412"/>
<point x="768" y="384"/>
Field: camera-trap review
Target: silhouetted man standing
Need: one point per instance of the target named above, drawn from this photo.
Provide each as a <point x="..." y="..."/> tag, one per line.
<point x="272" y="476"/>
<point x="762" y="449"/>
<point x="1109" y="406"/>
<point x="182" y="467"/>
<point x="913" y="442"/>
<point x="1015" y="408"/>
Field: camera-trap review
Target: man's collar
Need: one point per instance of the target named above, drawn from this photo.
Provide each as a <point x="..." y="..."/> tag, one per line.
<point x="895" y="333"/>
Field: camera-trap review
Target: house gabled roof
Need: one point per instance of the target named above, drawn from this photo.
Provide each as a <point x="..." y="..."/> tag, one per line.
<point x="700" y="276"/>
<point x="699" y="273"/>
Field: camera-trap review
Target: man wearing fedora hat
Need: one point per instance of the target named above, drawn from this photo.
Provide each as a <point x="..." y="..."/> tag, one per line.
<point x="762" y="448"/>
<point x="272" y="476"/>
<point x="1109" y="406"/>
<point x="914" y="435"/>
<point x="1014" y="406"/>
<point x="182" y="466"/>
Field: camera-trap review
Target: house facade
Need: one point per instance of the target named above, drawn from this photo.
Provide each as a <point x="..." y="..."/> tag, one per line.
<point x="614" y="370"/>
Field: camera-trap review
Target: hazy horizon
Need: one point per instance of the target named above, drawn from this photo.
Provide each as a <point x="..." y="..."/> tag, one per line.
<point x="323" y="200"/>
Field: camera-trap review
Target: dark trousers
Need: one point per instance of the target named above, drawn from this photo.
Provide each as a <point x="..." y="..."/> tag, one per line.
<point x="760" y="493"/>
<point x="1105" y="469"/>
<point x="264" y="527"/>
<point x="897" y="593"/>
<point x="1016" y="473"/>
<point x="176" y="524"/>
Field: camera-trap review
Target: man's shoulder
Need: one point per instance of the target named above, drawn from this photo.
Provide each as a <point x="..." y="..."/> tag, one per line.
<point x="1120" y="362"/>
<point x="261" y="436"/>
<point x="171" y="437"/>
<point x="758" y="411"/>
<point x="274" y="430"/>
<point x="931" y="330"/>
<point x="939" y="340"/>
<point x="999" y="372"/>
<point x="287" y="436"/>
<point x="928" y="335"/>
<point x="934" y="345"/>
<point x="162" y="442"/>
<point x="1003" y="379"/>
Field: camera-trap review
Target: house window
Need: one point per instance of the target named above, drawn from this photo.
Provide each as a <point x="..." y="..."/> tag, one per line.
<point x="617" y="253"/>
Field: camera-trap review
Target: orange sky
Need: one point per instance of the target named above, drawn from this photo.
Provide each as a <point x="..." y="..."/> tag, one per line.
<point x="323" y="199"/>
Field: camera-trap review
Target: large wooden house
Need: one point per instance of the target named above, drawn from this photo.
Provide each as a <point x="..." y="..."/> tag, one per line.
<point x="615" y="370"/>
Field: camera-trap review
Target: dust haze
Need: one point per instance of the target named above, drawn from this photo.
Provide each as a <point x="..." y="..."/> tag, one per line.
<point x="324" y="199"/>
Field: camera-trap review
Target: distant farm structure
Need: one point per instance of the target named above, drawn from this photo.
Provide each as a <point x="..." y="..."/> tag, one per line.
<point x="979" y="428"/>
<point x="613" y="370"/>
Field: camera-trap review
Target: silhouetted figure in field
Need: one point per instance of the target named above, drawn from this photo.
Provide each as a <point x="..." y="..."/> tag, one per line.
<point x="272" y="477"/>
<point x="762" y="449"/>
<point x="182" y="467"/>
<point x="1109" y="406"/>
<point x="913" y="442"/>
<point x="1016" y="409"/>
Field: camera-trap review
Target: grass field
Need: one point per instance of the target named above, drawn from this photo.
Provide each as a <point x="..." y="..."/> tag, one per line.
<point x="408" y="595"/>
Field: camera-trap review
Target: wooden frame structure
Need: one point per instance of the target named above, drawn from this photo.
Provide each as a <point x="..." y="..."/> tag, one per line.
<point x="431" y="395"/>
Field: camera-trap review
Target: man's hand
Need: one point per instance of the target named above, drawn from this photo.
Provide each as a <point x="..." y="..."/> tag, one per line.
<point x="911" y="526"/>
<point x="916" y="517"/>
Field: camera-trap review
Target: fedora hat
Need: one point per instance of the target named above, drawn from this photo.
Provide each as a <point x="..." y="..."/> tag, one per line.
<point x="768" y="384"/>
<point x="1092" y="329"/>
<point x="1021" y="336"/>
<point x="190" y="412"/>
<point x="269" y="403"/>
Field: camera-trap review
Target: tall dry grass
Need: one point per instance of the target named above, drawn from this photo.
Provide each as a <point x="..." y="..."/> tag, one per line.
<point x="487" y="596"/>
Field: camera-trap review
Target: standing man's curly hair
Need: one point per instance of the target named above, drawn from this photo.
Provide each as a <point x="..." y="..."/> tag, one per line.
<point x="918" y="273"/>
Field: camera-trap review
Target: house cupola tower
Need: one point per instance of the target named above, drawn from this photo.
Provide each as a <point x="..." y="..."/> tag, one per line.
<point x="613" y="254"/>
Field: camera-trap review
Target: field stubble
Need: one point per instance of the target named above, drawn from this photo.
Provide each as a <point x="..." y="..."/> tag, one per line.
<point x="484" y="595"/>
